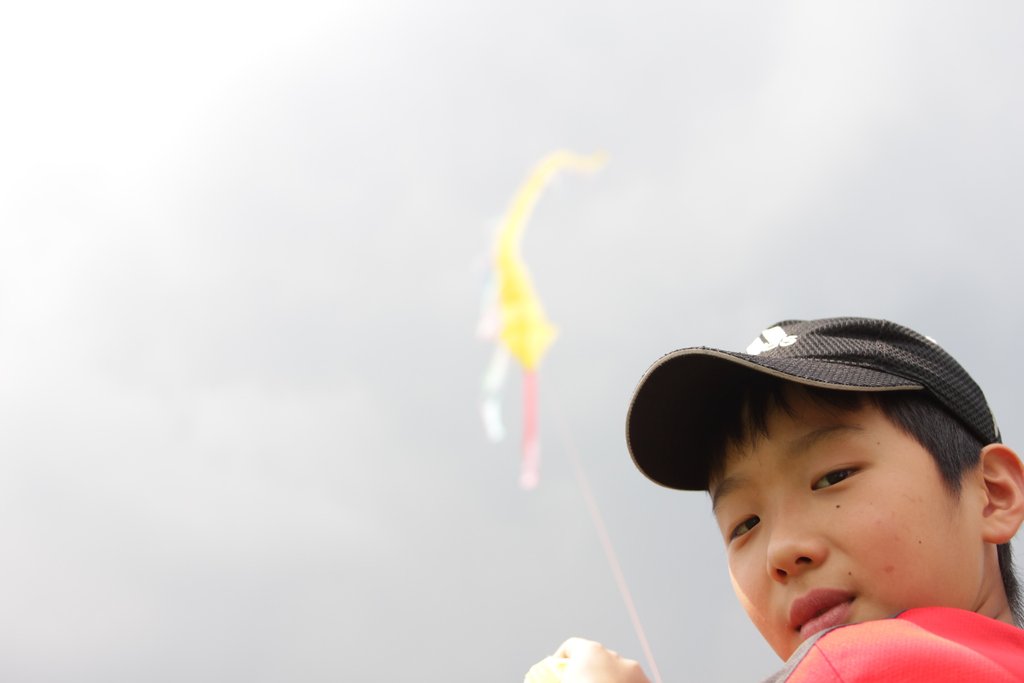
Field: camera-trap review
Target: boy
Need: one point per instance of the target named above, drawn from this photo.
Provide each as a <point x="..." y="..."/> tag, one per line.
<point x="865" y="498"/>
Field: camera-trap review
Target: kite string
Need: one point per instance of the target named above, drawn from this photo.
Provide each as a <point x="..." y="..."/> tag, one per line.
<point x="606" y="542"/>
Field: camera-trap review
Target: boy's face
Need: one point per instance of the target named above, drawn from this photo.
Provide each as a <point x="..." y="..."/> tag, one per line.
<point x="842" y="517"/>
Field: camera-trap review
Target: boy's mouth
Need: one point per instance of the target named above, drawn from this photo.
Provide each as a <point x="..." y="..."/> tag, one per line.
<point x="818" y="610"/>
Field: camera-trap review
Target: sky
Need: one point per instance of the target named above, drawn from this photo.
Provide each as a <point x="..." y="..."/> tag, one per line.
<point x="242" y="249"/>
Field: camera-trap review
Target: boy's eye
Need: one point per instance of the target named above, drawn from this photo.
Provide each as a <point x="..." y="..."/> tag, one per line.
<point x="832" y="478"/>
<point x="744" y="526"/>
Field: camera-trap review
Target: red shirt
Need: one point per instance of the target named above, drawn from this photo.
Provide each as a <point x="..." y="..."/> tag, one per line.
<point x="932" y="644"/>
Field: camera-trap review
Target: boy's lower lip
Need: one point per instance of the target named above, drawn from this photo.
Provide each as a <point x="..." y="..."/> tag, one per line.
<point x="834" y="616"/>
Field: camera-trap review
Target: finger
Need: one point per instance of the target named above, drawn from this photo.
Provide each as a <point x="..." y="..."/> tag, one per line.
<point x="581" y="647"/>
<point x="575" y="647"/>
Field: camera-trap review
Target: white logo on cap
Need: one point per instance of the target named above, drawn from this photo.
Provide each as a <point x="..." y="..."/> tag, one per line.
<point x="769" y="339"/>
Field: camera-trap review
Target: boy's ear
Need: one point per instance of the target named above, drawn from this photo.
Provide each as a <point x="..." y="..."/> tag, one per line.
<point x="1003" y="478"/>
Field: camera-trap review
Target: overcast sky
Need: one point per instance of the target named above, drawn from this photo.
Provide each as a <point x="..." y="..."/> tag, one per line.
<point x="242" y="247"/>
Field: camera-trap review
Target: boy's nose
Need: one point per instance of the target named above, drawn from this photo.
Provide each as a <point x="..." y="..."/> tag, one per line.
<point x="793" y="551"/>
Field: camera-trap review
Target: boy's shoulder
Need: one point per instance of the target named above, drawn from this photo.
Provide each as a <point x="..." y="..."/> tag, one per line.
<point x="922" y="644"/>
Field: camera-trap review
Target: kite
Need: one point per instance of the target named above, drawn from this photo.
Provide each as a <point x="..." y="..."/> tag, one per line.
<point x="512" y="313"/>
<point x="512" y="317"/>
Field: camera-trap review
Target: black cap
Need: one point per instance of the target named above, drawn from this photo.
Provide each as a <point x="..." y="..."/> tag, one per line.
<point x="670" y="407"/>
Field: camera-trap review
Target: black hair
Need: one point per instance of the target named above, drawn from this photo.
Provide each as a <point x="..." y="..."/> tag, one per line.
<point x="742" y="418"/>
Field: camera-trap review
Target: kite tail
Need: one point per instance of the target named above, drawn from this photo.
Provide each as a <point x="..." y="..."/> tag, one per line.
<point x="490" y="408"/>
<point x="530" y="473"/>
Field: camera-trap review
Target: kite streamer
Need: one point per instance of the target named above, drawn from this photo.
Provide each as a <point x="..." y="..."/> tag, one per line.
<point x="512" y="313"/>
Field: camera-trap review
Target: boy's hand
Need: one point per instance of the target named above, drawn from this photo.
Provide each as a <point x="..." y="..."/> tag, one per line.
<point x="588" y="662"/>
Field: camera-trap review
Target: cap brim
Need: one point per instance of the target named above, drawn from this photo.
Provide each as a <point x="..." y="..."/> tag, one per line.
<point x="666" y="426"/>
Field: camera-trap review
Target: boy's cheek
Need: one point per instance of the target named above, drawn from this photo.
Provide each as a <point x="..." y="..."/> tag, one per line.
<point x="750" y="601"/>
<point x="753" y="590"/>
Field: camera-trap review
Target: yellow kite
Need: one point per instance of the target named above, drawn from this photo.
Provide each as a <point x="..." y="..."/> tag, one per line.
<point x="513" y="313"/>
